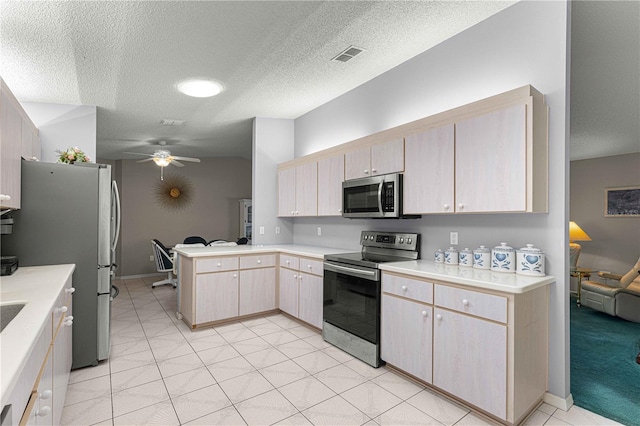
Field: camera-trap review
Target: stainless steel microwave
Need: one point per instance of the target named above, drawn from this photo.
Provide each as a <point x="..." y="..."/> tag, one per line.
<point x="374" y="197"/>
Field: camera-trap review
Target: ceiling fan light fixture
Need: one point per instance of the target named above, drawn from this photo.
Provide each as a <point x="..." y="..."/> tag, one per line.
<point x="162" y="161"/>
<point x="199" y="88"/>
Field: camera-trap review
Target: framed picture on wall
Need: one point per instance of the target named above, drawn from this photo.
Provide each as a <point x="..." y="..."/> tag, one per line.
<point x="624" y="201"/>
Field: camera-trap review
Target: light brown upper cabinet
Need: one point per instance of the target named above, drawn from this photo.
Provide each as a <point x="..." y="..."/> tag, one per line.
<point x="492" y="162"/>
<point x="330" y="178"/>
<point x="429" y="171"/>
<point x="378" y="159"/>
<point x="298" y="190"/>
<point x="10" y="148"/>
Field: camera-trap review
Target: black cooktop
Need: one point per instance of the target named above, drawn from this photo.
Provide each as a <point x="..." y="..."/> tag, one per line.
<point x="368" y="260"/>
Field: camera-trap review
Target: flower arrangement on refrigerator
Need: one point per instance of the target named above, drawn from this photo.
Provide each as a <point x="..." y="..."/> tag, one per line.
<point x="72" y="155"/>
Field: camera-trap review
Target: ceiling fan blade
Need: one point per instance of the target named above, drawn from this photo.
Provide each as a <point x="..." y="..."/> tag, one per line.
<point x="137" y="153"/>
<point x="145" y="160"/>
<point x="195" y="160"/>
<point x="176" y="163"/>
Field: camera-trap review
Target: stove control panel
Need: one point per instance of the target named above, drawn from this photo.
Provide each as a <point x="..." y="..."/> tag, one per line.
<point x="392" y="240"/>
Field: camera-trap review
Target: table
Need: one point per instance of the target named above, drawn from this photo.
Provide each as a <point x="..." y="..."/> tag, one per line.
<point x="580" y="273"/>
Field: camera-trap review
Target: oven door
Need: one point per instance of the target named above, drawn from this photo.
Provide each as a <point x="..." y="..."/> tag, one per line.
<point x="352" y="299"/>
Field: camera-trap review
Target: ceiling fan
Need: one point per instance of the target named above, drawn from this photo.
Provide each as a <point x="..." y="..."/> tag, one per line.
<point x="162" y="157"/>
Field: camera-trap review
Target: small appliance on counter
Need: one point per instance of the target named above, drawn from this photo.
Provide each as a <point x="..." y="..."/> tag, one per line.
<point x="9" y="265"/>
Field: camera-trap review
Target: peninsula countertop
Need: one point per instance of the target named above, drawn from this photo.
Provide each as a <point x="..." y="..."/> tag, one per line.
<point x="38" y="288"/>
<point x="472" y="277"/>
<point x="296" y="249"/>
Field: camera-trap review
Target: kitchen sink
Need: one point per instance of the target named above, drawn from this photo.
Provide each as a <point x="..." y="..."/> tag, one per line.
<point x="8" y="312"/>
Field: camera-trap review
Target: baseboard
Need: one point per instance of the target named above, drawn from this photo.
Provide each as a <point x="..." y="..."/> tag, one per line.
<point x="562" y="403"/>
<point x="133" y="277"/>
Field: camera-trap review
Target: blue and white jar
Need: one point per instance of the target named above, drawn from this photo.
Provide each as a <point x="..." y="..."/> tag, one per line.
<point x="503" y="258"/>
<point x="451" y="256"/>
<point x="482" y="258"/>
<point x="438" y="256"/>
<point x="465" y="257"/>
<point x="530" y="261"/>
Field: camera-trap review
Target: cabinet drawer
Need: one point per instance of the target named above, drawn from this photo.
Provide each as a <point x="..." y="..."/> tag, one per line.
<point x="289" y="261"/>
<point x="311" y="266"/>
<point x="257" y="261"/>
<point x="216" y="264"/>
<point x="421" y="291"/>
<point x="472" y="302"/>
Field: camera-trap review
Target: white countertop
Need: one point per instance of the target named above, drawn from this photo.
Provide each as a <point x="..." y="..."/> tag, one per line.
<point x="297" y="249"/>
<point x="480" y="278"/>
<point x="38" y="287"/>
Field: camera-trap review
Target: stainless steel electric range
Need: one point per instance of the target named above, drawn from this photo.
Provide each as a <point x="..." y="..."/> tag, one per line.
<point x="352" y="292"/>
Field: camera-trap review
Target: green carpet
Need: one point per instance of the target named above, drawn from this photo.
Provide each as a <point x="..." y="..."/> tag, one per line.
<point x="605" y="377"/>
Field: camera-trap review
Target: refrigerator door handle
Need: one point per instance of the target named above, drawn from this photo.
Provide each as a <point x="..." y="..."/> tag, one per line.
<point x="116" y="199"/>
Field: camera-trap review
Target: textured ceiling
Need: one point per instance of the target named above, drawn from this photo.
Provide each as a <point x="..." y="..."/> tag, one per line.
<point x="274" y="60"/>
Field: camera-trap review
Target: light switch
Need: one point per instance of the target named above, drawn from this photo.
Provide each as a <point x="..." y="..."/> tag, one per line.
<point x="262" y="230"/>
<point x="453" y="238"/>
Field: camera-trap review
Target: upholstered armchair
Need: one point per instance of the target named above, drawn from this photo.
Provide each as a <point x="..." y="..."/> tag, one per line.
<point x="618" y="296"/>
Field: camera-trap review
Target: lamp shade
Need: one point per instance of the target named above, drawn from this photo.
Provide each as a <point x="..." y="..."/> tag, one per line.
<point x="576" y="233"/>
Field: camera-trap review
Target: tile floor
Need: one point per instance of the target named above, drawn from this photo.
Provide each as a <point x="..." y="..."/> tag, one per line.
<point x="267" y="370"/>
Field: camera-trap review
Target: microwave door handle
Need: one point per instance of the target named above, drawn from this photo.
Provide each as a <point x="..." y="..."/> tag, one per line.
<point x="380" y="197"/>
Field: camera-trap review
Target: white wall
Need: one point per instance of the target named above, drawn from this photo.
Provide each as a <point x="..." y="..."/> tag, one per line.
<point x="62" y="126"/>
<point x="272" y="144"/>
<point x="525" y="44"/>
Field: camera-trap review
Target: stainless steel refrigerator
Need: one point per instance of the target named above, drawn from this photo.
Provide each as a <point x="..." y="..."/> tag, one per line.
<point x="70" y="213"/>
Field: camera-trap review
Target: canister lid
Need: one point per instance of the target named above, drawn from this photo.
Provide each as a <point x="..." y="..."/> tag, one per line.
<point x="482" y="249"/>
<point x="451" y="250"/>
<point x="503" y="247"/>
<point x="531" y="250"/>
<point x="466" y="250"/>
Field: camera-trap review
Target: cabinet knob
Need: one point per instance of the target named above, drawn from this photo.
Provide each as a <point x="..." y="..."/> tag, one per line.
<point x="404" y="288"/>
<point x="5" y="197"/>
<point x="62" y="309"/>
<point x="287" y="262"/>
<point x="366" y="172"/>
<point x="439" y="317"/>
<point x="460" y="206"/>
<point x="295" y="276"/>
<point x="219" y="264"/>
<point x="297" y="212"/>
<point x="424" y="313"/>
<point x="300" y="277"/>
<point x="259" y="261"/>
<point x="465" y="302"/>
<point x="309" y="266"/>
<point x="235" y="275"/>
<point x="373" y="170"/>
<point x="46" y="394"/>
<point x="446" y="207"/>
<point x="339" y="210"/>
<point x="44" y="411"/>
<point x="292" y="212"/>
<point x="70" y="290"/>
<point x="68" y="323"/>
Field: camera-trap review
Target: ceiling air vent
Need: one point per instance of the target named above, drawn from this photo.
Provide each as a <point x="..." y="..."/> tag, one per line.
<point x="172" y="122"/>
<point x="348" y="54"/>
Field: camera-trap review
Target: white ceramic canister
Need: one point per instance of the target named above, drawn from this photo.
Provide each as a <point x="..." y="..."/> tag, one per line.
<point x="530" y="261"/>
<point x="482" y="258"/>
<point x="465" y="258"/>
<point x="503" y="258"/>
<point x="451" y="256"/>
<point x="438" y="256"/>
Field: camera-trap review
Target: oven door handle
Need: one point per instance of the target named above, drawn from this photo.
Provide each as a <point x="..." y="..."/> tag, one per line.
<point x="371" y="275"/>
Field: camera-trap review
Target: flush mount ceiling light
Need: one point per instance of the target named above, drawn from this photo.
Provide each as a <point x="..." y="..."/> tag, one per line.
<point x="199" y="88"/>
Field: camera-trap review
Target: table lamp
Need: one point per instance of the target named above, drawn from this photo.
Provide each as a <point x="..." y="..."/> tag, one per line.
<point x="575" y="234"/>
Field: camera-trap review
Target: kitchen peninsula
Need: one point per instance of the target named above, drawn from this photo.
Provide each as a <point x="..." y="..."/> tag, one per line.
<point x="475" y="335"/>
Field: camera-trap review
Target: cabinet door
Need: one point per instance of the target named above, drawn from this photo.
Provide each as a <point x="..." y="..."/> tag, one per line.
<point x="357" y="163"/>
<point x="470" y="360"/>
<point x="257" y="290"/>
<point x="387" y="157"/>
<point x="330" y="178"/>
<point x="491" y="159"/>
<point x="30" y="146"/>
<point x="405" y="335"/>
<point x="310" y="308"/>
<point x="307" y="189"/>
<point x="288" y="297"/>
<point x="44" y="405"/>
<point x="287" y="192"/>
<point x="10" y="150"/>
<point x="429" y="171"/>
<point x="62" y="358"/>
<point x="217" y="296"/>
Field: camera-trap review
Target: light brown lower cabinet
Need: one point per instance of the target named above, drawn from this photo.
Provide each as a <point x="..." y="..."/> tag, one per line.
<point x="485" y="348"/>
